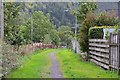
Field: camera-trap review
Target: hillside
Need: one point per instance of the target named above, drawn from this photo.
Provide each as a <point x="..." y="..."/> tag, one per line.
<point x="60" y="12"/>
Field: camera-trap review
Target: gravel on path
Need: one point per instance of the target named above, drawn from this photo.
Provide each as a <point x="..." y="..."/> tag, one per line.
<point x="55" y="69"/>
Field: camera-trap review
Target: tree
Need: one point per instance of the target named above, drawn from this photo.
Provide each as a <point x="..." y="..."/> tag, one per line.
<point x="11" y="11"/>
<point x="54" y="37"/>
<point x="107" y="19"/>
<point x="13" y="28"/>
<point x="84" y="9"/>
<point x="47" y="39"/>
<point x="65" y="35"/>
<point x="17" y="29"/>
<point x="16" y="36"/>
<point x="90" y="19"/>
<point x="41" y="26"/>
<point x="87" y="18"/>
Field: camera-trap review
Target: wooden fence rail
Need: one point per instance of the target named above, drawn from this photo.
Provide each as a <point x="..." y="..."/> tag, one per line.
<point x="99" y="52"/>
<point x="106" y="53"/>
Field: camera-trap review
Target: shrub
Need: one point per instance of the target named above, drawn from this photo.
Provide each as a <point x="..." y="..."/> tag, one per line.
<point x="96" y="33"/>
<point x="107" y="35"/>
<point x="106" y="19"/>
<point x="91" y="20"/>
<point x="47" y="39"/>
<point x="10" y="58"/>
<point x="116" y="28"/>
<point x="83" y="38"/>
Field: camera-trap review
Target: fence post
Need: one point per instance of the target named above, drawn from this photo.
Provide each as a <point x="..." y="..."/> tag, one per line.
<point x="110" y="51"/>
<point x="119" y="53"/>
<point x="88" y="53"/>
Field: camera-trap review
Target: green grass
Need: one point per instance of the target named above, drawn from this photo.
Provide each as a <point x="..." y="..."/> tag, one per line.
<point x="73" y="67"/>
<point x="37" y="66"/>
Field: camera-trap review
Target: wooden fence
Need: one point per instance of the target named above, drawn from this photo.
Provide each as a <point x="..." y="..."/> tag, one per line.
<point x="114" y="41"/>
<point x="106" y="53"/>
<point x="99" y="52"/>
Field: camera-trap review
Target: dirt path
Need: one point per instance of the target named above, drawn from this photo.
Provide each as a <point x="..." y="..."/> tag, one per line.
<point x="55" y="69"/>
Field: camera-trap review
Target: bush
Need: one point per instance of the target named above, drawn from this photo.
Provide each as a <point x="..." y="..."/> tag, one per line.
<point x="106" y="19"/>
<point x="117" y="28"/>
<point x="83" y="39"/>
<point x="96" y="33"/>
<point x="47" y="39"/>
<point x="10" y="58"/>
<point x="107" y="35"/>
<point x="91" y="20"/>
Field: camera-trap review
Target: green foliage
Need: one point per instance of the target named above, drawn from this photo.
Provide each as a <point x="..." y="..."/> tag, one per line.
<point x="43" y="29"/>
<point x="65" y="35"/>
<point x="11" y="12"/>
<point x="90" y="19"/>
<point x="83" y="39"/>
<point x="106" y="19"/>
<point x="84" y="9"/>
<point x="25" y="25"/>
<point x="47" y="39"/>
<point x="96" y="33"/>
<point x="16" y="33"/>
<point x="26" y="34"/>
<point x="106" y="35"/>
<point x="41" y="26"/>
<point x="56" y="11"/>
<point x="54" y="37"/>
<point x="87" y="17"/>
<point x="116" y="28"/>
<point x="9" y="58"/>
<point x="84" y="31"/>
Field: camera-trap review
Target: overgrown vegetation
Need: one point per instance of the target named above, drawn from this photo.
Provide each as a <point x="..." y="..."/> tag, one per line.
<point x="23" y="27"/>
<point x="19" y="25"/>
<point x="73" y="67"/>
<point x="10" y="58"/>
<point x="65" y="35"/>
<point x="41" y="26"/>
<point x="88" y="18"/>
<point x="8" y="61"/>
<point x="85" y="16"/>
<point x="96" y="33"/>
<point x="106" y="19"/>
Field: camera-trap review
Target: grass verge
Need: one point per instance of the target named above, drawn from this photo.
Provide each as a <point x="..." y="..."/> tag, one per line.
<point x="73" y="67"/>
<point x="34" y="67"/>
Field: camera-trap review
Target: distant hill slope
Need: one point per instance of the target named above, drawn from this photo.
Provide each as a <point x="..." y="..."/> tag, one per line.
<point x="59" y="14"/>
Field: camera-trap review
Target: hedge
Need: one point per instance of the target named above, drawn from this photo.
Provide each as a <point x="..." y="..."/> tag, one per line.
<point x="97" y="31"/>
